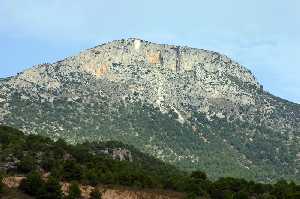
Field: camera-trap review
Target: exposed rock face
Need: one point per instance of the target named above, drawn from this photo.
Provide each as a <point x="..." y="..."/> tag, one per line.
<point x="116" y="153"/>
<point x="215" y="108"/>
<point x="9" y="164"/>
<point x="162" y="64"/>
<point x="13" y="181"/>
<point x="122" y="154"/>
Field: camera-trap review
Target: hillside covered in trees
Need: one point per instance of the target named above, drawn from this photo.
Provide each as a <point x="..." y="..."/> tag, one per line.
<point x="35" y="157"/>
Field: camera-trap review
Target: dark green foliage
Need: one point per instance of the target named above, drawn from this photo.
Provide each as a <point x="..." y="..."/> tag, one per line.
<point x="71" y="170"/>
<point x="1" y="184"/>
<point x="241" y="195"/>
<point x="283" y="189"/>
<point x="33" y="184"/>
<point x="74" y="191"/>
<point x="27" y="164"/>
<point x="198" y="175"/>
<point x="191" y="196"/>
<point x="52" y="189"/>
<point x="86" y="164"/>
<point x="242" y="189"/>
<point x="95" y="194"/>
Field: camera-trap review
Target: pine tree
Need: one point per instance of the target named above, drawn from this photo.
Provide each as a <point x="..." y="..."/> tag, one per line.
<point x="33" y="184"/>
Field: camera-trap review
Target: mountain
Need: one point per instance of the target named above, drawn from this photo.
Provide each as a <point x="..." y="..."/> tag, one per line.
<point x="193" y="108"/>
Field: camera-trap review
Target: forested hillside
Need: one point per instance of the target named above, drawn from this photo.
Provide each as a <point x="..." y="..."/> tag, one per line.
<point x="36" y="157"/>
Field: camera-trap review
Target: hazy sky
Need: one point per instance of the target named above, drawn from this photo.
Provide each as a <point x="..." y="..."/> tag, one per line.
<point x="263" y="35"/>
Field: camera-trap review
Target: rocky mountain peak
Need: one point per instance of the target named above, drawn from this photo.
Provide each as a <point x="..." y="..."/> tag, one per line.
<point x="140" y="64"/>
<point x="174" y="59"/>
<point x="105" y="59"/>
<point x="167" y="76"/>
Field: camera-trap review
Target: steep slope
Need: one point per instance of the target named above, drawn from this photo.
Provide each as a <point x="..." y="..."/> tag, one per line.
<point x="193" y="108"/>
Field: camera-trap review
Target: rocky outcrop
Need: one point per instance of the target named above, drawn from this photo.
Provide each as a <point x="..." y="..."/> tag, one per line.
<point x="116" y="153"/>
<point x="9" y="164"/>
<point x="122" y="154"/>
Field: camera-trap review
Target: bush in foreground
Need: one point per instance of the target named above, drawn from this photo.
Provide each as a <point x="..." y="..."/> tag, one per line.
<point x="95" y="194"/>
<point x="74" y="191"/>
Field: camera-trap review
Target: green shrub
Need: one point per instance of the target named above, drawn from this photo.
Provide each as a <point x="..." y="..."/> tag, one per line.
<point x="198" y="175"/>
<point x="241" y="195"/>
<point x="32" y="185"/>
<point x="74" y="191"/>
<point x="95" y="194"/>
<point x="27" y="164"/>
<point x="52" y="189"/>
<point x="72" y="171"/>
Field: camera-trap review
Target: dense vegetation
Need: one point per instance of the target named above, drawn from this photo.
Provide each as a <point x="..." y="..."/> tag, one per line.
<point x="236" y="148"/>
<point x="1" y="184"/>
<point x="35" y="155"/>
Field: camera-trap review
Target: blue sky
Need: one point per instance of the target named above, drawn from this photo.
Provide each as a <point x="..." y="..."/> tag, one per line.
<point x="263" y="35"/>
